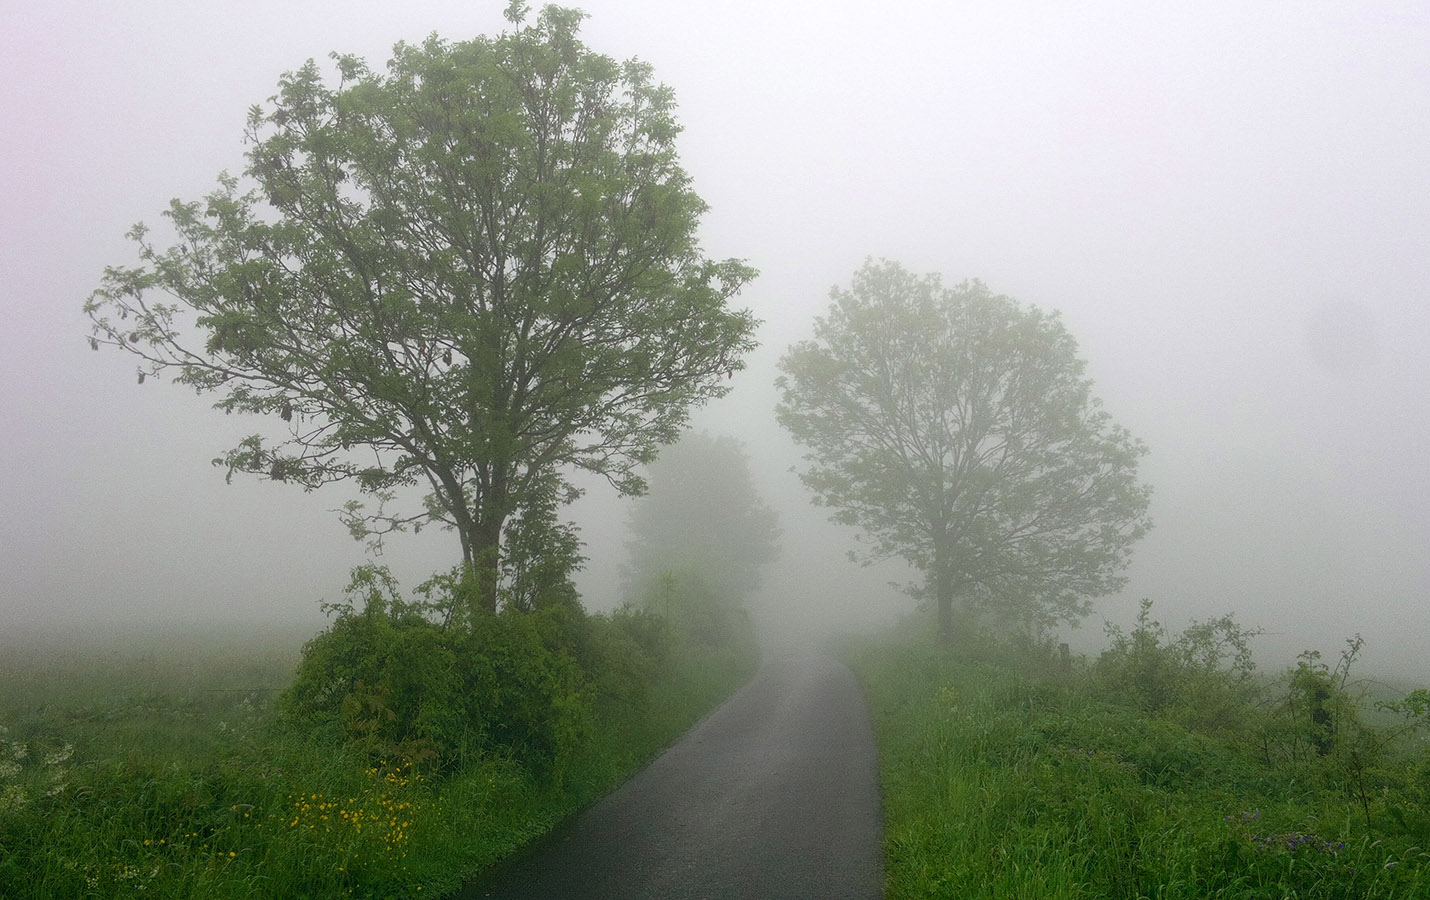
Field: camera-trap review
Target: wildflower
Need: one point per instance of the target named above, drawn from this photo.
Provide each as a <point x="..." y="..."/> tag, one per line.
<point x="12" y="797"/>
<point x="1293" y="841"/>
<point x="55" y="757"/>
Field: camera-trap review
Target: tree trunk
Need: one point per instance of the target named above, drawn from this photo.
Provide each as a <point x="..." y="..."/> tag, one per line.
<point x="945" y="611"/>
<point x="943" y="593"/>
<point x="485" y="541"/>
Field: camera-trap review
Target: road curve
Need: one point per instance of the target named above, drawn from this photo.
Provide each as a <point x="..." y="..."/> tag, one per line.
<point x="774" y="795"/>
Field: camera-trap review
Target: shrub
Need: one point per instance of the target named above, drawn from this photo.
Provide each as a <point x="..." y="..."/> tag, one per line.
<point x="1202" y="676"/>
<point x="697" y="609"/>
<point x="384" y="678"/>
<point x="625" y="652"/>
<point x="524" y="686"/>
<point x="523" y="683"/>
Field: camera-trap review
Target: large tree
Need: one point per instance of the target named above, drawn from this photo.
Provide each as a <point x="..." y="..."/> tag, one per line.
<point x="957" y="428"/>
<point x="471" y="273"/>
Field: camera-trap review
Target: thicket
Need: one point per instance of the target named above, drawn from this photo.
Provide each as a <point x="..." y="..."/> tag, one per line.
<point x="390" y="680"/>
<point x="1166" y="767"/>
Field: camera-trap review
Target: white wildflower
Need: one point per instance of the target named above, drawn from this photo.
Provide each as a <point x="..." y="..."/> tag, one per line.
<point x="8" y="769"/>
<point x="55" y="757"/>
<point x="12" y="797"/>
<point x="20" y="751"/>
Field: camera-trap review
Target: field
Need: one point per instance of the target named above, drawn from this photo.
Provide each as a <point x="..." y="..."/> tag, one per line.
<point x="1016" y="775"/>
<point x="158" y="769"/>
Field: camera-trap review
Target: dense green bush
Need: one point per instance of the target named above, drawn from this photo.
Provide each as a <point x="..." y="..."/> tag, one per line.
<point x="525" y="682"/>
<point x="624" y="652"/>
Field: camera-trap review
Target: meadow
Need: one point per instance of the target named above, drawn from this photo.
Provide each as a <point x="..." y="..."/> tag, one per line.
<point x="163" y="769"/>
<point x="1150" y="772"/>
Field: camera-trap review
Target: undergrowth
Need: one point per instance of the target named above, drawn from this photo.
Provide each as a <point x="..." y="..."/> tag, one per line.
<point x="191" y="776"/>
<point x="1164" y="769"/>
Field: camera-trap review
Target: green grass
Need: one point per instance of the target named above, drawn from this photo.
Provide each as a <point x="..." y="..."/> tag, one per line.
<point x="160" y="772"/>
<point x="1004" y="785"/>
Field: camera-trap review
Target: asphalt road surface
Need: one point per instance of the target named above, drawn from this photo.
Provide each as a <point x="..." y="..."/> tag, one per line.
<point x="774" y="795"/>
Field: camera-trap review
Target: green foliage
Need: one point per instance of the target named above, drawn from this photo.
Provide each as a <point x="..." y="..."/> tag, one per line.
<point x="1000" y="785"/>
<point x="469" y="274"/>
<point x="625" y="652"/>
<point x="1203" y="676"/>
<point x="699" y="539"/>
<point x="959" y="431"/>
<point x="1318" y="732"/>
<point x="398" y="685"/>
<point x="163" y="774"/>
<point x="697" y="609"/>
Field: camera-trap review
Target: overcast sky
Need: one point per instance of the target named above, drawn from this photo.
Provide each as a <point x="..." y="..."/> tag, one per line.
<point x="1229" y="202"/>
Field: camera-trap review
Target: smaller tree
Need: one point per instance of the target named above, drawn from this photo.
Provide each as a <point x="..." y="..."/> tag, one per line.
<point x="700" y="538"/>
<point x="958" y="429"/>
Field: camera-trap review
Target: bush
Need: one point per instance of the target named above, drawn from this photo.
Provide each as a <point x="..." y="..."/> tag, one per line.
<point x="524" y="686"/>
<point x="625" y="652"/>
<point x="380" y="677"/>
<point x="1201" y="677"/>
<point x="523" y="683"/>
<point x="697" y="609"/>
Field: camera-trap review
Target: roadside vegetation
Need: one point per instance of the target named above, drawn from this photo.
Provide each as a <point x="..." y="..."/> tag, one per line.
<point x="197" y="773"/>
<point x="410" y="745"/>
<point x="1165" y="768"/>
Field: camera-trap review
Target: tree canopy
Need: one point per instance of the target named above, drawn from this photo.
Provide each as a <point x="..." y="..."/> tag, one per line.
<point x="957" y="428"/>
<point x="702" y="534"/>
<point x="470" y="274"/>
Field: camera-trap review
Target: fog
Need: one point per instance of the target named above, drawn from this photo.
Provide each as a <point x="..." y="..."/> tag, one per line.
<point x="1227" y="201"/>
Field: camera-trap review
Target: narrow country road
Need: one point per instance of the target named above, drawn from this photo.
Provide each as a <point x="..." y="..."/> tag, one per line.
<point x="774" y="795"/>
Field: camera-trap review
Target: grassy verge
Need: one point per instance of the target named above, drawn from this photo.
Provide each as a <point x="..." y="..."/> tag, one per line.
<point x="163" y="774"/>
<point x="1000" y="784"/>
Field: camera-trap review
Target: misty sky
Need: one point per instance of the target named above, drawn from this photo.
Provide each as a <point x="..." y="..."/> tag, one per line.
<point x="1229" y="203"/>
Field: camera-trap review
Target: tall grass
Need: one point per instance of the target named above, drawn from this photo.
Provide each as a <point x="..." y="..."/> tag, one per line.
<point x="999" y="783"/>
<point x="164" y="774"/>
